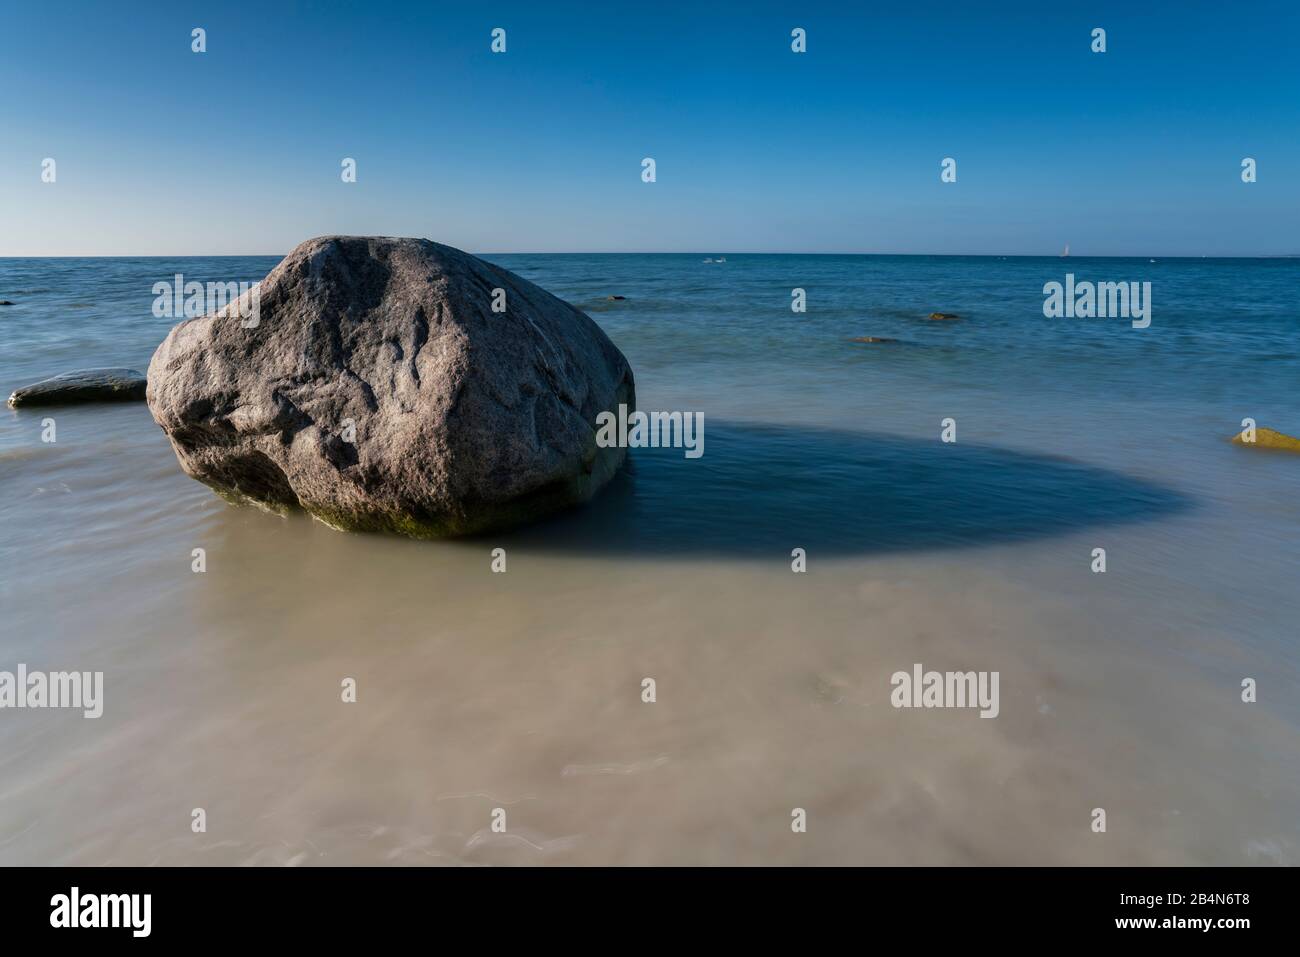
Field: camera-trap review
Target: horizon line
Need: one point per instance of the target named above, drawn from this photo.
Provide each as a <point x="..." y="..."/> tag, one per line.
<point x="644" y="252"/>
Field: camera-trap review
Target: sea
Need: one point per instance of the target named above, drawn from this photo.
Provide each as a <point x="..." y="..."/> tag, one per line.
<point x="700" y="666"/>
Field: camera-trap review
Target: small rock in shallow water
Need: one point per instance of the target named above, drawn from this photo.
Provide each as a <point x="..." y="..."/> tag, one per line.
<point x="873" y="339"/>
<point x="5" y="302"/>
<point x="615" y="298"/>
<point x="1268" y="439"/>
<point x="944" y="315"/>
<point x="83" y="385"/>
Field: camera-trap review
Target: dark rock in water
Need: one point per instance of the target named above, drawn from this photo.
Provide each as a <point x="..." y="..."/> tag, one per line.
<point x="873" y="339"/>
<point x="82" y="385"/>
<point x="380" y="391"/>
<point x="615" y="298"/>
<point x="943" y="315"/>
<point x="5" y="302"/>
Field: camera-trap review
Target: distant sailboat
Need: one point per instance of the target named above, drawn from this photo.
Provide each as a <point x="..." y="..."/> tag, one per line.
<point x="1067" y="251"/>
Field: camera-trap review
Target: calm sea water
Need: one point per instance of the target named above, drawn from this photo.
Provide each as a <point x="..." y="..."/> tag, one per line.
<point x="523" y="691"/>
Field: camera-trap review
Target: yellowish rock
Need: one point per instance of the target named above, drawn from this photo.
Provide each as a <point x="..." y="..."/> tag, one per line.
<point x="1268" y="439"/>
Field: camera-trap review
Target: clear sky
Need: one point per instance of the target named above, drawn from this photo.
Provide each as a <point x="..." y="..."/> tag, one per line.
<point x="1137" y="151"/>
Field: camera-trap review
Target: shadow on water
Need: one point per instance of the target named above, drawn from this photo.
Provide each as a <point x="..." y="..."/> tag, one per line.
<point x="760" y="489"/>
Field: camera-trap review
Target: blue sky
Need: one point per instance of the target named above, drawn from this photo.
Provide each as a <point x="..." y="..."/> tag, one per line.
<point x="1136" y="151"/>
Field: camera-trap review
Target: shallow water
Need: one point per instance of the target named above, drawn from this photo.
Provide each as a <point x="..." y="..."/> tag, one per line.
<point x="523" y="690"/>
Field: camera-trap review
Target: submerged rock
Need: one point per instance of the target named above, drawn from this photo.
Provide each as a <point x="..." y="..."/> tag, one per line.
<point x="1268" y="439"/>
<point x="380" y="391"/>
<point x="82" y="385"/>
<point x="944" y="315"/>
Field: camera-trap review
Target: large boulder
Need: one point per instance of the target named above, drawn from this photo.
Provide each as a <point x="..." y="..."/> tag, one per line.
<point x="376" y="387"/>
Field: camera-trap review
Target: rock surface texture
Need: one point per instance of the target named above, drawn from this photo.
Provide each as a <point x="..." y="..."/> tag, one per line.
<point x="82" y="385"/>
<point x="380" y="391"/>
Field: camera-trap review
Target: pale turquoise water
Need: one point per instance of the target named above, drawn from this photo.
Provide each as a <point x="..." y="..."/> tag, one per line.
<point x="1071" y="434"/>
